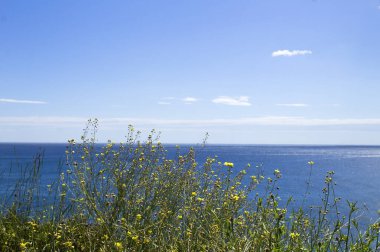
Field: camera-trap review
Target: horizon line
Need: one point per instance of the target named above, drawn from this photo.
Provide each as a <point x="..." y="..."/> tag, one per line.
<point x="188" y="143"/>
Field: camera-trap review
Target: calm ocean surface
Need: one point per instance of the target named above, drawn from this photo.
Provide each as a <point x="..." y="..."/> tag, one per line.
<point x="357" y="168"/>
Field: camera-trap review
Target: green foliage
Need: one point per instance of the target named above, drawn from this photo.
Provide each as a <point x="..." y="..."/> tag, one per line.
<point x="132" y="197"/>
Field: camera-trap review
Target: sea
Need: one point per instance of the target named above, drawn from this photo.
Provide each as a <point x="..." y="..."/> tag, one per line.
<point x="357" y="169"/>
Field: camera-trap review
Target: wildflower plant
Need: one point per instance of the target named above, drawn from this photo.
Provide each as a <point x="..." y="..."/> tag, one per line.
<point x="132" y="197"/>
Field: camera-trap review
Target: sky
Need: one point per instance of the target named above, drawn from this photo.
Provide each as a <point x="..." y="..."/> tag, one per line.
<point x="244" y="71"/>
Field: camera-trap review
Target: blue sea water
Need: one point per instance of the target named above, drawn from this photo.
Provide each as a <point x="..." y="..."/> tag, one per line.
<point x="357" y="168"/>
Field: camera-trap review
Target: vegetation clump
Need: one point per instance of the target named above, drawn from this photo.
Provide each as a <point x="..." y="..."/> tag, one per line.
<point x="132" y="197"/>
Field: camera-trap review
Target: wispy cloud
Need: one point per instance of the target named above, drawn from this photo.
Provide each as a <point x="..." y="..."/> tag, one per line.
<point x="250" y="121"/>
<point x="166" y="100"/>
<point x="247" y="121"/>
<point x="164" y="103"/>
<point x="4" y="100"/>
<point x="292" y="104"/>
<point x="289" y="53"/>
<point x="189" y="100"/>
<point x="169" y="100"/>
<point x="43" y="121"/>
<point x="232" y="101"/>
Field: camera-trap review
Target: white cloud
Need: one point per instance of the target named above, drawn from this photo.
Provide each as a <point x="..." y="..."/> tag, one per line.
<point x="152" y="122"/>
<point x="189" y="99"/>
<point x="166" y="100"/>
<point x="232" y="101"/>
<point x="288" y="53"/>
<point x="4" y="100"/>
<point x="169" y="100"/>
<point x="293" y="104"/>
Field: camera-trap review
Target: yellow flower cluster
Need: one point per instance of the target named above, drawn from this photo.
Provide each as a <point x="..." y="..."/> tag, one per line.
<point x="228" y="164"/>
<point x="277" y="173"/>
<point x="294" y="235"/>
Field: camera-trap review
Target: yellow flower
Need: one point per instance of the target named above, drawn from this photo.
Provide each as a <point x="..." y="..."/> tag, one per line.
<point x="277" y="173"/>
<point x="146" y="240"/>
<point x="235" y="197"/>
<point x="310" y="162"/>
<point x="32" y="223"/>
<point x="193" y="194"/>
<point x="68" y="244"/>
<point x="135" y="237"/>
<point x="119" y="245"/>
<point x="254" y="179"/>
<point x="188" y="232"/>
<point x="294" y="236"/>
<point x="231" y="165"/>
<point x="23" y="245"/>
<point x="138" y="216"/>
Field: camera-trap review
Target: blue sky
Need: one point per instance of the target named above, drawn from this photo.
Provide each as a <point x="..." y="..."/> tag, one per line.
<point x="270" y="72"/>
